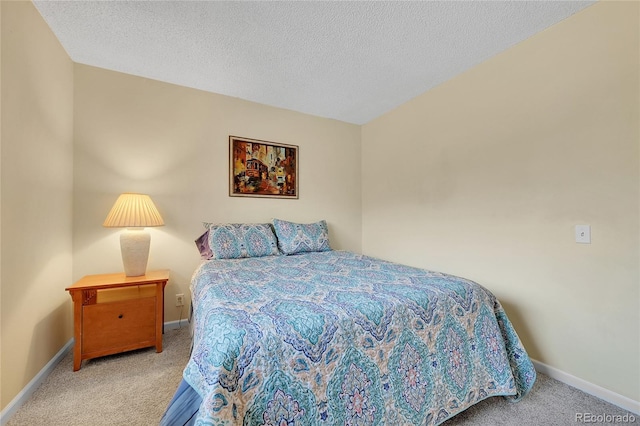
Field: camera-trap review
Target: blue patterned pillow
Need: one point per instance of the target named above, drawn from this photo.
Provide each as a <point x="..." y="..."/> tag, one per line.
<point x="299" y="237"/>
<point x="236" y="240"/>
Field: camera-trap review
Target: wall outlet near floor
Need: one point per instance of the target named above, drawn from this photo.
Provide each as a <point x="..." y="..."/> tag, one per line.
<point x="179" y="299"/>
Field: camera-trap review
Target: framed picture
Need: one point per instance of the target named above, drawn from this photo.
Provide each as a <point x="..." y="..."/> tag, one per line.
<point x="262" y="169"/>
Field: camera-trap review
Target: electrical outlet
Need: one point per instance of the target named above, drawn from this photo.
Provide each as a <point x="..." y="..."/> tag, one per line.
<point x="583" y="234"/>
<point x="180" y="299"/>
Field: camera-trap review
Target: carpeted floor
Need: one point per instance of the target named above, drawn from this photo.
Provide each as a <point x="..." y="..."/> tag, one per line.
<point x="132" y="388"/>
<point x="135" y="388"/>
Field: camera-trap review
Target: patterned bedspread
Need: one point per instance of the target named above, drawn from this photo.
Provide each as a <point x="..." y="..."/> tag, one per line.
<point x="332" y="338"/>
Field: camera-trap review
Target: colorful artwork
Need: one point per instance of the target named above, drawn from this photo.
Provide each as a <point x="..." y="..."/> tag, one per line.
<point x="262" y="169"/>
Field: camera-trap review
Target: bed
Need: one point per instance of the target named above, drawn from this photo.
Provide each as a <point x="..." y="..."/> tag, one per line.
<point x="333" y="337"/>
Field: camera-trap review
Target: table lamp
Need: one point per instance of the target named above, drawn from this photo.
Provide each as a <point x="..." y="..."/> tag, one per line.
<point x="134" y="212"/>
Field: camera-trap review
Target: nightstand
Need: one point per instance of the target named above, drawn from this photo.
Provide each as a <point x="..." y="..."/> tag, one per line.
<point x="113" y="313"/>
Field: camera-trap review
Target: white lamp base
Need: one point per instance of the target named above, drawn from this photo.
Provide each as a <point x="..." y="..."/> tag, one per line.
<point x="134" y="244"/>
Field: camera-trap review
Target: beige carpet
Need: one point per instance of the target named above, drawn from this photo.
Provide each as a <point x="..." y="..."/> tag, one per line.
<point x="135" y="388"/>
<point x="132" y="388"/>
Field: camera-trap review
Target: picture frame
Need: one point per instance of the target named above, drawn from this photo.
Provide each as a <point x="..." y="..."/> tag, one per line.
<point x="264" y="169"/>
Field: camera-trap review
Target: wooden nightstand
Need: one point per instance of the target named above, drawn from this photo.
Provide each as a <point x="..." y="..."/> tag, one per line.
<point x="113" y="313"/>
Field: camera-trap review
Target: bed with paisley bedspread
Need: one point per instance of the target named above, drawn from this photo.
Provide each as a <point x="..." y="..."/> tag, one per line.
<point x="337" y="338"/>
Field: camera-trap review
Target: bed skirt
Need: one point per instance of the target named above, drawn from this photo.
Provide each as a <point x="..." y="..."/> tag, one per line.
<point x="183" y="407"/>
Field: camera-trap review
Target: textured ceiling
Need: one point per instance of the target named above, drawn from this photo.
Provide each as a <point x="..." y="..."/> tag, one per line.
<point x="351" y="61"/>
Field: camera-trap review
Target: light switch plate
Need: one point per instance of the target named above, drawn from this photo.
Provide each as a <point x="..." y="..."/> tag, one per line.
<point x="583" y="234"/>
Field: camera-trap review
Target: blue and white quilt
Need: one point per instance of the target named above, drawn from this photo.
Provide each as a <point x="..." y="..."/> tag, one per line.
<point x="328" y="338"/>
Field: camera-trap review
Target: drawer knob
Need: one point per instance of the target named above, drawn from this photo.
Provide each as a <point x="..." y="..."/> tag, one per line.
<point x="120" y="316"/>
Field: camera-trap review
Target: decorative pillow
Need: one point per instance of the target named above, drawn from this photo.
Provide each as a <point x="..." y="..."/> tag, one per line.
<point x="236" y="240"/>
<point x="299" y="237"/>
<point x="202" y="242"/>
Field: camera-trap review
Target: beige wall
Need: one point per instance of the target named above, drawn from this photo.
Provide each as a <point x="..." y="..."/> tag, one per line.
<point x="135" y="134"/>
<point x="486" y="176"/>
<point x="1" y="403"/>
<point x="37" y="161"/>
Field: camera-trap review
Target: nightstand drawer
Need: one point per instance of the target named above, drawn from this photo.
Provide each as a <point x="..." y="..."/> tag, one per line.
<point x="127" y="325"/>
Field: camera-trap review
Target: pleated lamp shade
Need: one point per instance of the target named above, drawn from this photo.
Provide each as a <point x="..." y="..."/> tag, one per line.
<point x="135" y="212"/>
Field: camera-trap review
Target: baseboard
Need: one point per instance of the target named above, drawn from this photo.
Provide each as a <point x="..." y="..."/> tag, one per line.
<point x="25" y="393"/>
<point x="587" y="387"/>
<point x="174" y="325"/>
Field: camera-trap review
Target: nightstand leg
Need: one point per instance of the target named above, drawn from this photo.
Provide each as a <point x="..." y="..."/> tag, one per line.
<point x="77" y="329"/>
<point x="159" y="315"/>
